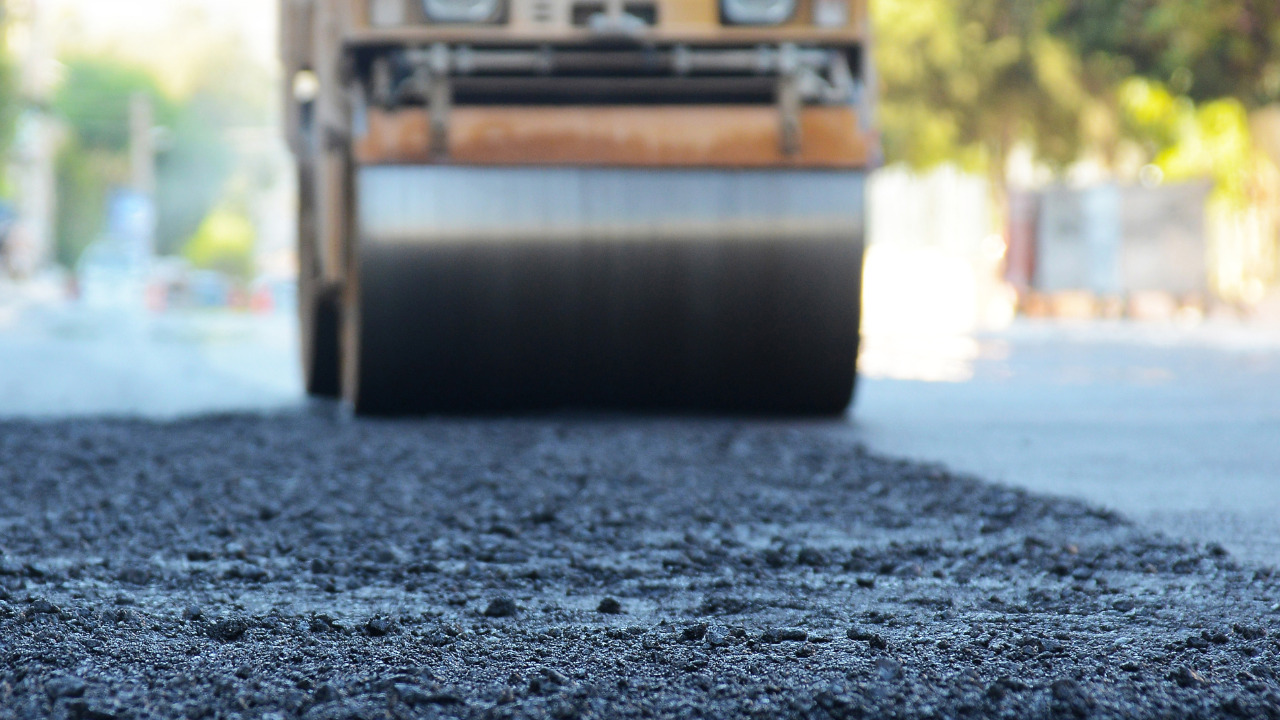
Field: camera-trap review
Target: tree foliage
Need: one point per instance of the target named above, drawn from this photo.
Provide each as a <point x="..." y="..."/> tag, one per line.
<point x="965" y="81"/>
<point x="1187" y="140"/>
<point x="10" y="102"/>
<point x="94" y="98"/>
<point x="224" y="242"/>
<point x="1204" y="49"/>
<point x="191" y="173"/>
<point x="192" y="164"/>
<point x="82" y="200"/>
<point x="93" y="102"/>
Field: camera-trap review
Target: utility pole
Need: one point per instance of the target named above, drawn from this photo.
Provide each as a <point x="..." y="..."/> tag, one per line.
<point x="142" y="165"/>
<point x="142" y="154"/>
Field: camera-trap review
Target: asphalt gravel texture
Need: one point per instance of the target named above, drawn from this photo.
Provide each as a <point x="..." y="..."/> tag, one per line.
<point x="315" y="566"/>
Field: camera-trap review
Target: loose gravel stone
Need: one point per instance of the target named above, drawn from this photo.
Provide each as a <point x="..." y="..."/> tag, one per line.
<point x="811" y="557"/>
<point x="229" y="629"/>
<point x="888" y="669"/>
<point x="1186" y="677"/>
<point x="694" y="632"/>
<point x="309" y="566"/>
<point x="717" y="636"/>
<point x="777" y="635"/>
<point x="66" y="686"/>
<point x="379" y="626"/>
<point x="501" y="607"/>
<point x="555" y="676"/>
<point x="873" y="640"/>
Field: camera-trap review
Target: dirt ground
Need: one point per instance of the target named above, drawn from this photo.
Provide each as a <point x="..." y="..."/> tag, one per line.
<point x="309" y="565"/>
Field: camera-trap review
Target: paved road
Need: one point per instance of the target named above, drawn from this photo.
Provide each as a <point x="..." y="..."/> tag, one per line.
<point x="1178" y="427"/>
<point x="296" y="564"/>
<point x="1175" y="427"/>
<point x="304" y="566"/>
<point x="63" y="361"/>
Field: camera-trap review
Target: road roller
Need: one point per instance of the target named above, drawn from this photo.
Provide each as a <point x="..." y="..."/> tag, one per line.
<point x="512" y="206"/>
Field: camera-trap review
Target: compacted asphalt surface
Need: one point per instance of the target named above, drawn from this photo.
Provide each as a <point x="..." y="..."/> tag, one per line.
<point x="310" y="565"/>
<point x="285" y="560"/>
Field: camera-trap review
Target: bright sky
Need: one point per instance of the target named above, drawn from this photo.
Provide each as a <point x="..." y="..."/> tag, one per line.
<point x="158" y="31"/>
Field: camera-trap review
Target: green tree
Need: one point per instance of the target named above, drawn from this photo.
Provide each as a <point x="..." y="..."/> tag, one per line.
<point x="93" y="101"/>
<point x="191" y="173"/>
<point x="229" y="90"/>
<point x="1182" y="77"/>
<point x="82" y="177"/>
<point x="964" y="80"/>
<point x="224" y="242"/>
<point x="10" y="103"/>
<point x="1203" y="49"/>
<point x="192" y="166"/>
<point x="968" y="81"/>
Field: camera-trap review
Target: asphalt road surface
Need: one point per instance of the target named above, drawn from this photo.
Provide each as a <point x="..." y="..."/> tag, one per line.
<point x="300" y="563"/>
<point x="1176" y="427"/>
<point x="307" y="565"/>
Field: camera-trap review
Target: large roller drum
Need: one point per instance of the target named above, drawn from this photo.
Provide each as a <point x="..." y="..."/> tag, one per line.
<point x="481" y="289"/>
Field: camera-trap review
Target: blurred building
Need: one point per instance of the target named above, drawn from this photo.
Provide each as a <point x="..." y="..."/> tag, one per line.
<point x="31" y="173"/>
<point x="1140" y="250"/>
<point x="1117" y="240"/>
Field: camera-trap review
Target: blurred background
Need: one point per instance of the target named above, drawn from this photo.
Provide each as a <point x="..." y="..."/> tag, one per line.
<point x="143" y="138"/>
<point x="1084" y="160"/>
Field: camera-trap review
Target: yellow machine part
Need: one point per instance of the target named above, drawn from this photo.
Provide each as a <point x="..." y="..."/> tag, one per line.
<point x="640" y="205"/>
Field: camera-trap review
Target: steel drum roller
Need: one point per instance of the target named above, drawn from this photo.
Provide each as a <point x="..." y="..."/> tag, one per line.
<point x="511" y="289"/>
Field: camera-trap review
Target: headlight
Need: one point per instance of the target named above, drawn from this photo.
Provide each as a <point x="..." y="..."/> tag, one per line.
<point x="462" y="11"/>
<point x="386" y="13"/>
<point x="758" y="12"/>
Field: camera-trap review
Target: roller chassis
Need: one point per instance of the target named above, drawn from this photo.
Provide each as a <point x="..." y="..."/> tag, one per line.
<point x="742" y="312"/>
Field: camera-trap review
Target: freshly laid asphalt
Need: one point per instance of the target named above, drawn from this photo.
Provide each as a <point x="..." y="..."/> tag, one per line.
<point x="310" y="565"/>
<point x="285" y="560"/>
